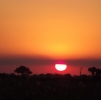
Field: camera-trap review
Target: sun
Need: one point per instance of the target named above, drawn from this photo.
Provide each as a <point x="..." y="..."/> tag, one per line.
<point x="60" y="67"/>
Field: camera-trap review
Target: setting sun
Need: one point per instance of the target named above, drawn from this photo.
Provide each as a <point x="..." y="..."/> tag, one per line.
<point x="60" y="67"/>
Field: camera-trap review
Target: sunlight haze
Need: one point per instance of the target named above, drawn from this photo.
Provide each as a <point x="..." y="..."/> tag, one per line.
<point x="67" y="29"/>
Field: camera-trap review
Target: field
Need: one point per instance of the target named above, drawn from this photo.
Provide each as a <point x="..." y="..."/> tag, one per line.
<point x="49" y="87"/>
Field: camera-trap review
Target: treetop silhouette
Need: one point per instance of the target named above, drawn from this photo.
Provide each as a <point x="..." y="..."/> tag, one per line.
<point x="92" y="70"/>
<point x="23" y="70"/>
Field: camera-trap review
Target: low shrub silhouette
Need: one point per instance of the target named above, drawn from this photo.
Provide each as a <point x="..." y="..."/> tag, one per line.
<point x="49" y="87"/>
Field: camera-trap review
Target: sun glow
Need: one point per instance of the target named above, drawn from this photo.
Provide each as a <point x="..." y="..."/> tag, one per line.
<point x="60" y="67"/>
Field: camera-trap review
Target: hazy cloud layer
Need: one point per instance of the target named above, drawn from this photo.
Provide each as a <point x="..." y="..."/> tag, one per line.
<point x="45" y="61"/>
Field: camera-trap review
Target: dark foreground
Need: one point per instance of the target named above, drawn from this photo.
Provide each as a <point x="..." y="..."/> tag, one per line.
<point x="49" y="87"/>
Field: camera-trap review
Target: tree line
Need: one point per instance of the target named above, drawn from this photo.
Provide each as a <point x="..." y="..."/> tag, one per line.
<point x="23" y="70"/>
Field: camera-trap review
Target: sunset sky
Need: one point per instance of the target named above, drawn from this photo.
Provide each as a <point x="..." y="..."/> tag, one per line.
<point x="50" y="29"/>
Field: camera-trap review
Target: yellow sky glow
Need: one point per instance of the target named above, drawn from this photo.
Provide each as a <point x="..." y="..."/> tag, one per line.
<point x="52" y="28"/>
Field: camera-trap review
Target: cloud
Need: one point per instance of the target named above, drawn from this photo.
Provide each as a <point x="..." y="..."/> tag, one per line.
<point x="38" y="61"/>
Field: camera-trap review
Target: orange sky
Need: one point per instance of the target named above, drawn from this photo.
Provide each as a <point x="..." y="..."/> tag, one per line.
<point x="66" y="29"/>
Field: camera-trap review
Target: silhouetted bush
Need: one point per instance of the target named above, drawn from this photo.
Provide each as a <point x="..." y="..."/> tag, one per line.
<point x="49" y="87"/>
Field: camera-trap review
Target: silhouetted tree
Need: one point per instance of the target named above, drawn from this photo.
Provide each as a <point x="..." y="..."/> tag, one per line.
<point x="23" y="70"/>
<point x="98" y="72"/>
<point x="92" y="70"/>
